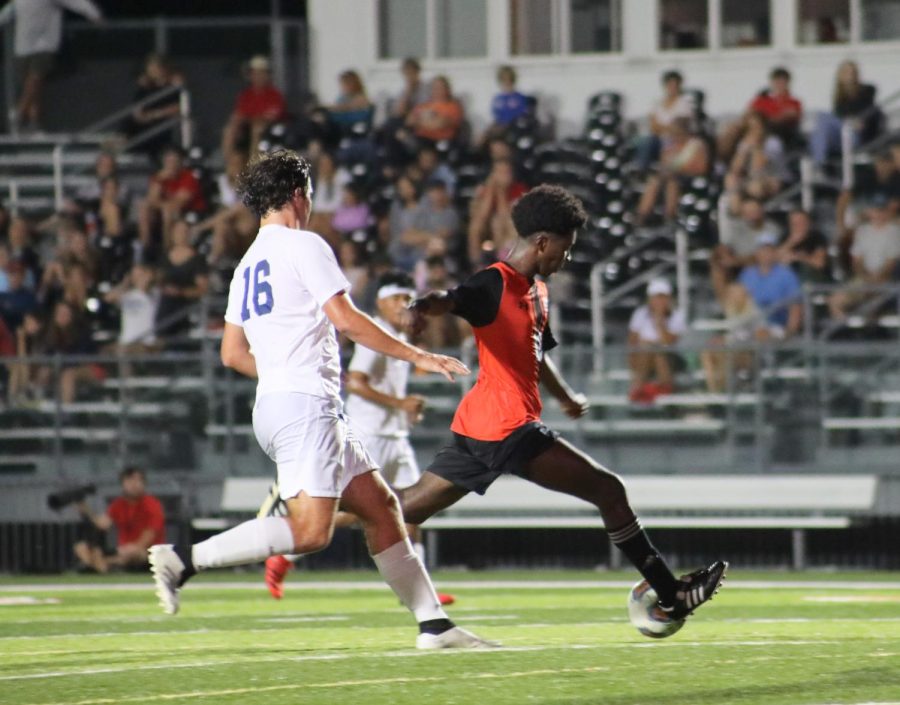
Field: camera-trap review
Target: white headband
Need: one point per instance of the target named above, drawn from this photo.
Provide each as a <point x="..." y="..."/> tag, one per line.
<point x="394" y="290"/>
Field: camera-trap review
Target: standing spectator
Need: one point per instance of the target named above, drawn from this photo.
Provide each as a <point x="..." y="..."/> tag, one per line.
<point x="654" y="327"/>
<point x="780" y="109"/>
<point x="738" y="235"/>
<point x="440" y="118"/>
<point x="491" y="231"/>
<point x="184" y="281"/>
<point x="138" y="519"/>
<point x="854" y="101"/>
<point x="113" y="240"/>
<point x="684" y="157"/>
<point x="874" y="256"/>
<point x="174" y="190"/>
<point x="38" y="35"/>
<point x="137" y="297"/>
<point x="805" y="249"/>
<point x="774" y="288"/>
<point x="258" y="106"/>
<point x="673" y="105"/>
<point x="157" y="75"/>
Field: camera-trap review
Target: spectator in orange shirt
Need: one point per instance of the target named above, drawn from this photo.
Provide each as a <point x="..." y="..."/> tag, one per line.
<point x="174" y="190"/>
<point x="138" y="519"/>
<point x="441" y="117"/>
<point x="257" y="107"/>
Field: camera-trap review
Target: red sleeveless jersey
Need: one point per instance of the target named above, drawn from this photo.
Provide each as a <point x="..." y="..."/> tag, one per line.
<point x="509" y="314"/>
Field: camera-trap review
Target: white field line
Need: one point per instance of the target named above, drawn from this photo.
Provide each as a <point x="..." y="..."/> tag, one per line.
<point x="335" y="684"/>
<point x="127" y="668"/>
<point x="460" y="584"/>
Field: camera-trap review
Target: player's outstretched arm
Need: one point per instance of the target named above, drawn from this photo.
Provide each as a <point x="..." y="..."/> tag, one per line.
<point x="358" y="383"/>
<point x="434" y="303"/>
<point x="361" y="329"/>
<point x="574" y="404"/>
<point x="235" y="351"/>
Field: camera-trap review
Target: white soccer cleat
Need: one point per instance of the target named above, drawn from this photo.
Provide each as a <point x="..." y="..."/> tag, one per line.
<point x="453" y="638"/>
<point x="167" y="570"/>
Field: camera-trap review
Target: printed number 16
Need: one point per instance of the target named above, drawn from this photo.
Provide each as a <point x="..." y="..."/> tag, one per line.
<point x="263" y="298"/>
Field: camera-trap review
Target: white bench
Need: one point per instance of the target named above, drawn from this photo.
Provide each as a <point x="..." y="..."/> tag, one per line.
<point x="795" y="503"/>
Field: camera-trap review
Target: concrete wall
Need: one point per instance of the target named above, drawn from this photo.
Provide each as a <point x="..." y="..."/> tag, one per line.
<point x="343" y="35"/>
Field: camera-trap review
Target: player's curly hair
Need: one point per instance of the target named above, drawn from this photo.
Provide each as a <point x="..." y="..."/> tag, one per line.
<point x="268" y="182"/>
<point x="548" y="209"/>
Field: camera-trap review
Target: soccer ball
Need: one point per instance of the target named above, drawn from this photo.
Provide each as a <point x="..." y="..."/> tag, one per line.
<point x="646" y="616"/>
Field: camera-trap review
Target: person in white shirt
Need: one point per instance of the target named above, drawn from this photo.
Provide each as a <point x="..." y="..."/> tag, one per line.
<point x="286" y="299"/>
<point x="673" y="105"/>
<point x="382" y="412"/>
<point x="656" y="324"/>
<point x="38" y="35"/>
<point x="137" y="296"/>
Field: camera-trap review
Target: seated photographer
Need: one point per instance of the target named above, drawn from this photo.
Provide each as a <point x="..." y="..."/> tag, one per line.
<point x="138" y="519"/>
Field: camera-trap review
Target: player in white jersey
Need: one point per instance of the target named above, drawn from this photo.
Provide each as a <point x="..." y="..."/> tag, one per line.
<point x="287" y="297"/>
<point x="381" y="412"/>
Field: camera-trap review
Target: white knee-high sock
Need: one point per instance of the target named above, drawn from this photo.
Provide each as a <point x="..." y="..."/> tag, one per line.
<point x="250" y="542"/>
<point x="403" y="571"/>
<point x="420" y="551"/>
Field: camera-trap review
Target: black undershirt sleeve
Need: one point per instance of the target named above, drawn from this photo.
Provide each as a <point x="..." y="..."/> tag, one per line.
<point x="477" y="300"/>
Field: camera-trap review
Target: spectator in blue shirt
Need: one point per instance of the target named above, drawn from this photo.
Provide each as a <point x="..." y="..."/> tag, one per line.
<point x="18" y="299"/>
<point x="507" y="105"/>
<point x="774" y="287"/>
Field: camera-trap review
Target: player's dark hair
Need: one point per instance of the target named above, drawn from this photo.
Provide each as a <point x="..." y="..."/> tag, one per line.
<point x="396" y="278"/>
<point x="548" y="209"/>
<point x="130" y="471"/>
<point x="269" y="182"/>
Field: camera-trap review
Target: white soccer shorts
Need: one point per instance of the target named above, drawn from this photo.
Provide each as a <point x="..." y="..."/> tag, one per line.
<point x="396" y="458"/>
<point x="311" y="443"/>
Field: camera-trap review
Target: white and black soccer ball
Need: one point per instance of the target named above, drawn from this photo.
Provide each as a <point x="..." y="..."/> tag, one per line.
<point x="646" y="616"/>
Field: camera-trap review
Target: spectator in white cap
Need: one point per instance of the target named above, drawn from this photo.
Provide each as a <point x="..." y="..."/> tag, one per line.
<point x="774" y="288"/>
<point x="653" y="328"/>
<point x="257" y="107"/>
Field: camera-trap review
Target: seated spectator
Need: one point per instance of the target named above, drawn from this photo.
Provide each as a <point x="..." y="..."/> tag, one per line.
<point x="29" y="340"/>
<point x="738" y="234"/>
<point x="258" y="106"/>
<point x="774" y="288"/>
<point x="758" y="168"/>
<point x="352" y="104"/>
<point x="174" y="190"/>
<point x="491" y="230"/>
<point x="183" y="280"/>
<point x="684" y="157"/>
<point x="157" y="75"/>
<point x="854" y="102"/>
<point x="113" y="241"/>
<point x="329" y="180"/>
<point x="781" y="111"/>
<point x="353" y="258"/>
<point x="86" y="199"/>
<point x="746" y="324"/>
<point x="7" y="350"/>
<point x="882" y="181"/>
<point x="805" y="249"/>
<point x="429" y="167"/>
<point x="139" y="522"/>
<point x="402" y="216"/>
<point x="18" y="299"/>
<point x="874" y="256"/>
<point x="19" y="242"/>
<point x="653" y="327"/>
<point x="673" y="105"/>
<point x="433" y="231"/>
<point x="353" y="212"/>
<point x="137" y="297"/>
<point x="415" y="90"/>
<point x="440" y="118"/>
<point x="67" y="334"/>
<point x="508" y="105"/>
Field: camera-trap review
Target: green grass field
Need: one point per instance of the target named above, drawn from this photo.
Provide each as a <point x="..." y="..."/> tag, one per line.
<point x="339" y="638"/>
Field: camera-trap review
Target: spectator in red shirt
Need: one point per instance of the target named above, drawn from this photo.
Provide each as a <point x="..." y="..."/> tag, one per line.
<point x="174" y="190"/>
<point x="777" y="105"/>
<point x="138" y="519"/>
<point x="257" y="107"/>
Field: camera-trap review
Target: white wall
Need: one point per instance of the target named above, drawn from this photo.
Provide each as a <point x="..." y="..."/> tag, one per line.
<point x="343" y="34"/>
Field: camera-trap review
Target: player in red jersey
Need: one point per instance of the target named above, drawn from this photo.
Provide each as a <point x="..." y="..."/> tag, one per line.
<point x="497" y="428"/>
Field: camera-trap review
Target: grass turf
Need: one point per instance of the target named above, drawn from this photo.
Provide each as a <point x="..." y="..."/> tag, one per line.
<point x="347" y="643"/>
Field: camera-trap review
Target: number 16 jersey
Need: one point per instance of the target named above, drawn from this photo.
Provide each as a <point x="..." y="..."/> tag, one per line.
<point x="276" y="296"/>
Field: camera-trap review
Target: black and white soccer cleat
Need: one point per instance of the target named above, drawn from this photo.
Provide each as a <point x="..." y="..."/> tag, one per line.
<point x="697" y="588"/>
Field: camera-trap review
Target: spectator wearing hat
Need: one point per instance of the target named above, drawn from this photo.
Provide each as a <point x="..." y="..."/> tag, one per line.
<point x="653" y="328"/>
<point x="257" y="107"/>
<point x="774" y="288"/>
<point x="874" y="255"/>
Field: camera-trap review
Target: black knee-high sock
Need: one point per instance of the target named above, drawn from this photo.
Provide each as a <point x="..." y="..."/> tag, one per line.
<point x="632" y="540"/>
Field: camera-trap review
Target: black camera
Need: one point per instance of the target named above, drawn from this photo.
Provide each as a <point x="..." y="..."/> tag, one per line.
<point x="58" y="500"/>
